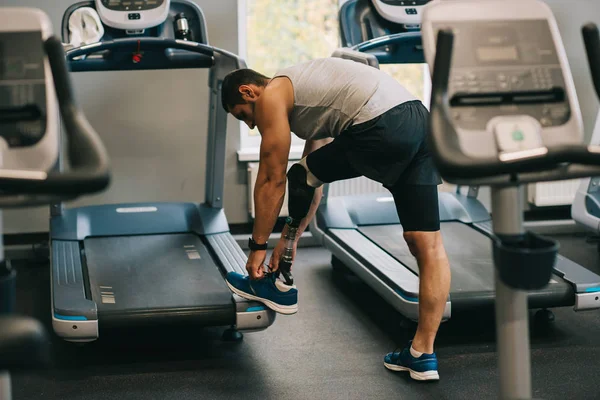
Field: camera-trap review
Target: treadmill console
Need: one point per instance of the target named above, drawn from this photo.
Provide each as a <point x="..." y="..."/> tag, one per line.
<point x="506" y="62"/>
<point x="133" y="14"/>
<point x="510" y="87"/>
<point x="28" y="109"/>
<point x="407" y="12"/>
<point x="22" y="88"/>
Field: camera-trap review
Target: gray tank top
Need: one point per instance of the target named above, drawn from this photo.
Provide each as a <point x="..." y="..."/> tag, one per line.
<point x="332" y="94"/>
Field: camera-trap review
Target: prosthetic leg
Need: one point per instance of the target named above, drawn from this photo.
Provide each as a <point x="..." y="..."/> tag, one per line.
<point x="302" y="184"/>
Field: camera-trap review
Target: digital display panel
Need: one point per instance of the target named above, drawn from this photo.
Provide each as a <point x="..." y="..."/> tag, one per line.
<point x="124" y="5"/>
<point x="497" y="53"/>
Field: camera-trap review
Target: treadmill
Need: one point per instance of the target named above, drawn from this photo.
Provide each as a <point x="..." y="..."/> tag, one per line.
<point x="364" y="234"/>
<point x="150" y="264"/>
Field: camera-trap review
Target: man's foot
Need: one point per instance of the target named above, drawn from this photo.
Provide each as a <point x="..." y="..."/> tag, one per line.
<point x="269" y="290"/>
<point x="421" y="368"/>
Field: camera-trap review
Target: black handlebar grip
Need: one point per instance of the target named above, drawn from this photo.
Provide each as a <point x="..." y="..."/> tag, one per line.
<point x="85" y="148"/>
<point x="591" y="39"/>
<point x="443" y="61"/>
<point x="60" y="72"/>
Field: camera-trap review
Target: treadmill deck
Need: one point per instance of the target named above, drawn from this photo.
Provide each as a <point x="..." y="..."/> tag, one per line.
<point x="469" y="252"/>
<point x="471" y="264"/>
<point x="156" y="276"/>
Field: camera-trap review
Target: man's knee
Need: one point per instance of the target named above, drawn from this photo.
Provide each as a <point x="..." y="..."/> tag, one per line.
<point x="423" y="244"/>
<point x="302" y="184"/>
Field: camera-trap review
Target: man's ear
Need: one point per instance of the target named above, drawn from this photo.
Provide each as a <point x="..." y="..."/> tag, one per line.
<point x="247" y="92"/>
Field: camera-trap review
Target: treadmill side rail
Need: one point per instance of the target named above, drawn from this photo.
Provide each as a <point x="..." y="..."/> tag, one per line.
<point x="70" y="302"/>
<point x="587" y="301"/>
<point x="76" y="331"/>
<point x="250" y="315"/>
<point x="229" y="253"/>
<point x="581" y="278"/>
<point x="74" y="317"/>
<point x="403" y="300"/>
<point x="585" y="283"/>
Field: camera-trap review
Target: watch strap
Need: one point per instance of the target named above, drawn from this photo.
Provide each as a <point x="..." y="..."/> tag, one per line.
<point x="255" y="246"/>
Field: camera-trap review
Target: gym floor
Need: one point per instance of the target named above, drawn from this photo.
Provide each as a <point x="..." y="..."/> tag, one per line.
<point x="331" y="349"/>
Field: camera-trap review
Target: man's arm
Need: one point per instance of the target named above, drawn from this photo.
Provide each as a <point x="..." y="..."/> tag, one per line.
<point x="271" y="116"/>
<point x="269" y="191"/>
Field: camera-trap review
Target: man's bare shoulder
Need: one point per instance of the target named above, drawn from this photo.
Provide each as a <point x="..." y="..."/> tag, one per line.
<point x="278" y="93"/>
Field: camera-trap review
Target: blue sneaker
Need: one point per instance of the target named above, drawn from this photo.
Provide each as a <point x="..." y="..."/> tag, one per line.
<point x="269" y="290"/>
<point x="424" y="368"/>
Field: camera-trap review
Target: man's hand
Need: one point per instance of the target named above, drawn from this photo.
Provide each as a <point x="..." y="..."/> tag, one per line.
<point x="255" y="264"/>
<point x="278" y="253"/>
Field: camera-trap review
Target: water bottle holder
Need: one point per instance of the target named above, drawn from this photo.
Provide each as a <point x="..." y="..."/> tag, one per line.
<point x="527" y="262"/>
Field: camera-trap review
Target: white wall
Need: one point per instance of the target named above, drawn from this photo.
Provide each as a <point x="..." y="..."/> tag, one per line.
<point x="571" y="16"/>
<point x="153" y="124"/>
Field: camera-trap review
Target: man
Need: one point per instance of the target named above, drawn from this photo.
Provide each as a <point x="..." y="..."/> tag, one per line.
<point x="356" y="120"/>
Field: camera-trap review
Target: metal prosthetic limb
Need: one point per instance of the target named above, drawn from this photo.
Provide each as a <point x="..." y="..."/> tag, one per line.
<point x="285" y="263"/>
<point x="300" y="198"/>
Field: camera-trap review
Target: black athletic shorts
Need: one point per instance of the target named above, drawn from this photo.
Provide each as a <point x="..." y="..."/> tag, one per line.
<point x="390" y="149"/>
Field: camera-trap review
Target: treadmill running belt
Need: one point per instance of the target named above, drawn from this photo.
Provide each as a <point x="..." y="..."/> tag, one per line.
<point x="469" y="252"/>
<point x="156" y="276"/>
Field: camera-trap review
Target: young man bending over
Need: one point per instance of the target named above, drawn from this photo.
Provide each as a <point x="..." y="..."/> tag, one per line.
<point x="357" y="121"/>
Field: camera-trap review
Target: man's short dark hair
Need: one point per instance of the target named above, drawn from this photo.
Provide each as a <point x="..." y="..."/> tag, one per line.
<point x="230" y="94"/>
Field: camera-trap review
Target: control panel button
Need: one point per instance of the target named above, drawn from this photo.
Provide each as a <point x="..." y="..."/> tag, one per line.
<point x="558" y="112"/>
<point x="13" y="68"/>
<point x="517" y="136"/>
<point x="134" y="16"/>
<point x="411" y="11"/>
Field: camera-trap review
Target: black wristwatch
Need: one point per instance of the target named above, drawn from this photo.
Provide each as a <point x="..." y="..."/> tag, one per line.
<point x="255" y="246"/>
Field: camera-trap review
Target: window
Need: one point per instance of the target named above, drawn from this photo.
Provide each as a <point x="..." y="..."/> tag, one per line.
<point x="275" y="34"/>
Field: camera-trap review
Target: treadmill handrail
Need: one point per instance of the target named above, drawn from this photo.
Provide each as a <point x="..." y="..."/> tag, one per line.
<point x="140" y="44"/>
<point x="396" y="38"/>
<point x="89" y="160"/>
<point x="455" y="165"/>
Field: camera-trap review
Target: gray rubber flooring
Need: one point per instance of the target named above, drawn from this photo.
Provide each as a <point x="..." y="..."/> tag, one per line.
<point x="332" y="349"/>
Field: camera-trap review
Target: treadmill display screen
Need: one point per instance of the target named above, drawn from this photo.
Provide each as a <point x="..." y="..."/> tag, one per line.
<point x="497" y="53"/>
<point x="406" y="3"/>
<point x="127" y="5"/>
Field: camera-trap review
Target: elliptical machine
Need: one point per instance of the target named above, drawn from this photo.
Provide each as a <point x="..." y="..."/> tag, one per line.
<point x="34" y="72"/>
<point x="505" y="136"/>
